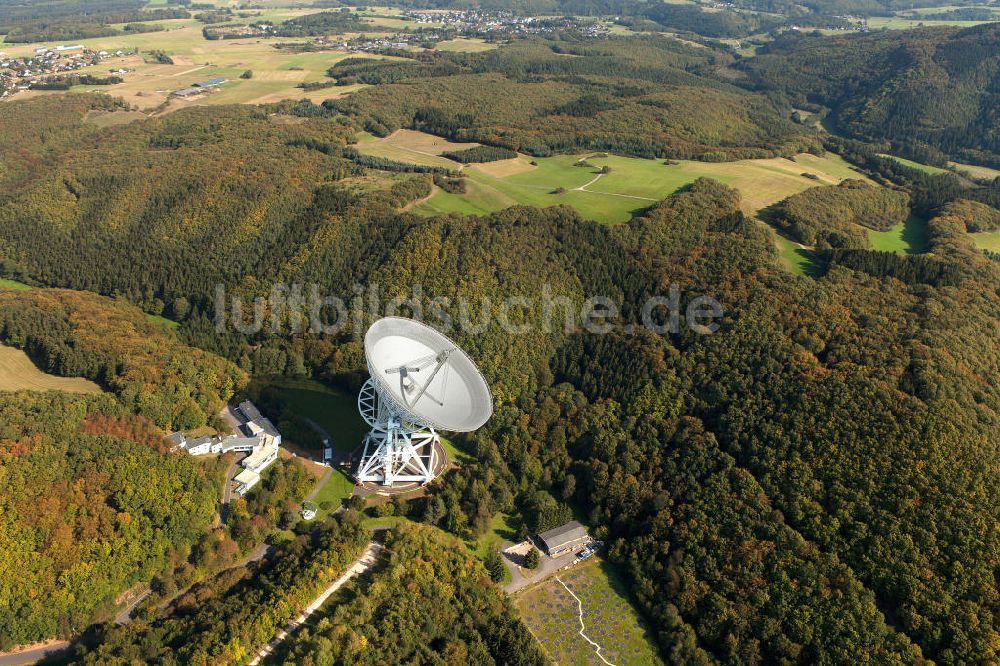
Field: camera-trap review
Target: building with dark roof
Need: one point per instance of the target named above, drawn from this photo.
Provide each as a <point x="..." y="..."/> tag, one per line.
<point x="211" y="82"/>
<point x="563" y="539"/>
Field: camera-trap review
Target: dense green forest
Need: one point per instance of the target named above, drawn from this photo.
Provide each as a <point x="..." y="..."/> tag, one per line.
<point x="810" y="484"/>
<point x="79" y="334"/>
<point x="832" y="216"/>
<point x="930" y="91"/>
<point x="90" y="503"/>
<point x="433" y="602"/>
<point x="638" y="97"/>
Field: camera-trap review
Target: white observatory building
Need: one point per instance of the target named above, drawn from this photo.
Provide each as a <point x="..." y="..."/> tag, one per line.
<point x="421" y="382"/>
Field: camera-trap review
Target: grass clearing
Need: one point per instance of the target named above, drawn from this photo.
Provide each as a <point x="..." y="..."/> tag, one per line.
<point x="403" y="146"/>
<point x="503" y="527"/>
<point x="907" y="237"/>
<point x="463" y="45"/>
<point x="158" y="319"/>
<point x="987" y="240"/>
<point x="18" y="372"/>
<point x="552" y="615"/>
<point x="334" y="410"/>
<point x="796" y="259"/>
<point x="13" y="285"/>
<point x="632" y="185"/>
<point x="977" y="172"/>
<point x="926" y="168"/>
<point x="337" y="488"/>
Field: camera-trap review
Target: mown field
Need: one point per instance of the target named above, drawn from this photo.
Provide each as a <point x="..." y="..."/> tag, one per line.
<point x="18" y="372"/>
<point x="909" y="237"/>
<point x="632" y="184"/>
<point x="337" y="488"/>
<point x="988" y="240"/>
<point x="552" y="615"/>
<point x="336" y="411"/>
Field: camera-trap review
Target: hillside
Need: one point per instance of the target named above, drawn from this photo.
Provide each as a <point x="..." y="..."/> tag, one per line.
<point x="80" y="334"/>
<point x="930" y="93"/>
<point x="91" y="502"/>
<point x="807" y="477"/>
<point x="637" y="97"/>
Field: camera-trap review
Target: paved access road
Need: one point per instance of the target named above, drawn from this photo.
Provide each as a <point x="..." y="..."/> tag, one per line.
<point x="32" y="655"/>
<point x="361" y="565"/>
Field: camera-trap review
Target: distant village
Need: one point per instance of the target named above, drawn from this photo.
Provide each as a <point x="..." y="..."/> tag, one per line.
<point x="48" y="64"/>
<point x="480" y="23"/>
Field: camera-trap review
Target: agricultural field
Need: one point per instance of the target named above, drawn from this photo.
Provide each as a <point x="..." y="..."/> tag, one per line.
<point x="463" y="45"/>
<point x="980" y="172"/>
<point x="412" y="147"/>
<point x="631" y="185"/>
<point x="148" y="84"/>
<point x="18" y="372"/>
<point x="553" y="615"/>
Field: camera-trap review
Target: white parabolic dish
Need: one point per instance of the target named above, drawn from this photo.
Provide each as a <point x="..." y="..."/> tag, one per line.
<point x="427" y="375"/>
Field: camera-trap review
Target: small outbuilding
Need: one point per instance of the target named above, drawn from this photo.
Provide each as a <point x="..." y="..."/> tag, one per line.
<point x="565" y="538"/>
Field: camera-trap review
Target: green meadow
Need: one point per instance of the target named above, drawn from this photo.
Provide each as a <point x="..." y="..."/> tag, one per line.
<point x="335" y="410"/>
<point x="987" y="240"/>
<point x="337" y="488"/>
<point x="908" y="237"/>
<point x="631" y="186"/>
<point x="926" y="168"/>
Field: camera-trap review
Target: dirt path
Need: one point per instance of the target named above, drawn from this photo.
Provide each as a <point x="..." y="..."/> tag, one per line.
<point x="583" y="188"/>
<point x="319" y="484"/>
<point x="416" y="202"/>
<point x="597" y="647"/>
<point x="361" y="565"/>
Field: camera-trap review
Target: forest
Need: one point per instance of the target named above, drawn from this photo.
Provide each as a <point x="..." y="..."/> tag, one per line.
<point x="928" y="90"/>
<point x="805" y="485"/>
<point x="638" y="97"/>
<point x="80" y="334"/>
<point x="832" y="216"/>
<point x="90" y="503"/>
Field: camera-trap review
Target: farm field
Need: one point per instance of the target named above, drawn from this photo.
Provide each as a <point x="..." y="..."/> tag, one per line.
<point x="147" y="85"/>
<point x="631" y="186"/>
<point x="412" y="147"/>
<point x="981" y="172"/>
<point x="907" y="237"/>
<point x="462" y="45"/>
<point x="553" y="616"/>
<point x="899" y="23"/>
<point x="18" y="372"/>
<point x="987" y="240"/>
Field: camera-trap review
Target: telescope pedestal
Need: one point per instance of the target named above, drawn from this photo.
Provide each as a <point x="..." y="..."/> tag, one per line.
<point x="395" y="451"/>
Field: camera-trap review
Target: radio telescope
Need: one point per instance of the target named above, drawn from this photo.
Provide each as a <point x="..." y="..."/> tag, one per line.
<point x="421" y="382"/>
